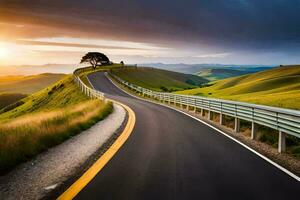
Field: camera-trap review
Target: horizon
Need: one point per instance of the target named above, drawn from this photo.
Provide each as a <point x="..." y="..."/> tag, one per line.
<point x="27" y="70"/>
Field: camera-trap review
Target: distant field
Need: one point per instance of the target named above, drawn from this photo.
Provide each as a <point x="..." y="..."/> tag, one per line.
<point x="62" y="93"/>
<point x="14" y="88"/>
<point x="217" y="74"/>
<point x="44" y="119"/>
<point x="159" y="80"/>
<point x="27" y="84"/>
<point x="8" y="98"/>
<point x="278" y="87"/>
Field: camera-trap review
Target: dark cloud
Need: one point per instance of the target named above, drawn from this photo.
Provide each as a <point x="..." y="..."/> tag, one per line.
<point x="224" y="24"/>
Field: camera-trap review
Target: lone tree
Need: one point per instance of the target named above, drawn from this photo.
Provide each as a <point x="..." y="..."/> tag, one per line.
<point x="95" y="59"/>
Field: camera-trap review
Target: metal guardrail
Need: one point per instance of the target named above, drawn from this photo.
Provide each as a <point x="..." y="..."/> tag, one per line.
<point x="286" y="121"/>
<point x="90" y="92"/>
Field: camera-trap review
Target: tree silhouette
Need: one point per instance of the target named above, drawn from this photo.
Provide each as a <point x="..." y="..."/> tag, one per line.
<point x="95" y="59"/>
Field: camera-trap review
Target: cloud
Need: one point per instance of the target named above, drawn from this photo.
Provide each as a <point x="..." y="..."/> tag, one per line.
<point x="61" y="44"/>
<point x="248" y="27"/>
<point x="247" y="24"/>
<point x="217" y="55"/>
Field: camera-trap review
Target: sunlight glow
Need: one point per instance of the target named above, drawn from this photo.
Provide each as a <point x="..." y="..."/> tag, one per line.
<point x="3" y="52"/>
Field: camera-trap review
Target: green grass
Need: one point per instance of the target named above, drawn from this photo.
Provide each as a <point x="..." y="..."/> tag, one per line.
<point x="159" y="80"/>
<point x="14" y="88"/>
<point x="279" y="87"/>
<point x="62" y="93"/>
<point x="218" y="74"/>
<point x="27" y="84"/>
<point x="44" y="119"/>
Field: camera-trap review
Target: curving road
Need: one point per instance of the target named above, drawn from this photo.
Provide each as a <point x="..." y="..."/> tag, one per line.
<point x="172" y="156"/>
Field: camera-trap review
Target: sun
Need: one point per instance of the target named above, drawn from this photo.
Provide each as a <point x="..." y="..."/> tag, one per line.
<point x="3" y="52"/>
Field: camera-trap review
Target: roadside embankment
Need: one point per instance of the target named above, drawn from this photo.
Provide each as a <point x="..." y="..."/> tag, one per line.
<point x="36" y="178"/>
<point x="45" y="119"/>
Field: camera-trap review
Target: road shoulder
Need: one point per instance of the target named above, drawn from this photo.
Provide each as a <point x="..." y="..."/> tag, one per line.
<point x="52" y="169"/>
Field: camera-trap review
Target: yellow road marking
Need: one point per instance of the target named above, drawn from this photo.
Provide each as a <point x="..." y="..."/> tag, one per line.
<point x="76" y="187"/>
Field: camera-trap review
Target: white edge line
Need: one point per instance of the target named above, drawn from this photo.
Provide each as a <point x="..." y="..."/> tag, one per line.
<point x="89" y="81"/>
<point x="220" y="131"/>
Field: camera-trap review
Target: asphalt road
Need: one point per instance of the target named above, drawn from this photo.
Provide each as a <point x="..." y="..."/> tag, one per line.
<point x="172" y="156"/>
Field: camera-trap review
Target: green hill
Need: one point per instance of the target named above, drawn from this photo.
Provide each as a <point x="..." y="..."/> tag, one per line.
<point x="217" y="74"/>
<point x="45" y="119"/>
<point x="27" y="84"/>
<point x="9" y="98"/>
<point x="158" y="79"/>
<point x="14" y="88"/>
<point x="58" y="95"/>
<point x="276" y="87"/>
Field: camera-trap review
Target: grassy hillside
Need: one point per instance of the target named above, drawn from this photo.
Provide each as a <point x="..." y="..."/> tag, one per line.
<point x="276" y="87"/>
<point x="159" y="80"/>
<point x="217" y="74"/>
<point x="9" y="98"/>
<point x="58" y="95"/>
<point x="27" y="84"/>
<point x="195" y="68"/>
<point x="44" y="119"/>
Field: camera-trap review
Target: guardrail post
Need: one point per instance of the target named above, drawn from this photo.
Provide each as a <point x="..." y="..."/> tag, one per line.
<point x="253" y="131"/>
<point x="221" y="119"/>
<point x="175" y="101"/>
<point x="281" y="142"/>
<point x="237" y="125"/>
<point x="209" y="115"/>
<point x="187" y="103"/>
<point x="201" y="113"/>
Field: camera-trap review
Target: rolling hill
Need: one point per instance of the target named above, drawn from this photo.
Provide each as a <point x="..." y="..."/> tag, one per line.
<point x="217" y="74"/>
<point x="44" y="119"/>
<point x="158" y="79"/>
<point x="14" y="88"/>
<point x="57" y="95"/>
<point x="196" y="68"/>
<point x="9" y="98"/>
<point x="276" y="87"/>
<point x="27" y="84"/>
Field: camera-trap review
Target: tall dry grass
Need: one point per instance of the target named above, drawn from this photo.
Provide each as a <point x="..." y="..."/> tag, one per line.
<point x="26" y="136"/>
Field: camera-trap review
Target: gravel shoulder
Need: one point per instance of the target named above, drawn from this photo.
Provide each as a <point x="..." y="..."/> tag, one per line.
<point x="38" y="177"/>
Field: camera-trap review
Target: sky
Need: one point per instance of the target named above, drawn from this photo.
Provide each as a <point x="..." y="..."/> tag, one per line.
<point x="38" y="32"/>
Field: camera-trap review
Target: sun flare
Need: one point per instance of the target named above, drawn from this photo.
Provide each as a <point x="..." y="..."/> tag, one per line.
<point x="3" y="52"/>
